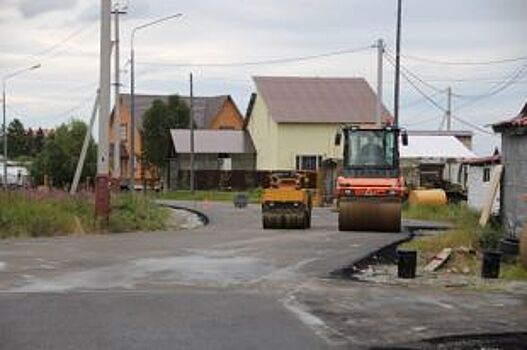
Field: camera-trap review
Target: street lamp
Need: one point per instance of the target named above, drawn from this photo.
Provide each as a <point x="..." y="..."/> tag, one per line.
<point x="4" y="130"/>
<point x="132" y="92"/>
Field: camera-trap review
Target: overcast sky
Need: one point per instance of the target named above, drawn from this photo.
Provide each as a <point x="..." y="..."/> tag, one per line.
<point x="63" y="36"/>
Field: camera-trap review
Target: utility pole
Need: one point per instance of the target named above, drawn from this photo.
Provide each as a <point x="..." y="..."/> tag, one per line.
<point x="380" y="52"/>
<point x="117" y="86"/>
<point x="449" y="109"/>
<point x="102" y="190"/>
<point x="191" y="134"/>
<point x="397" y="65"/>
<point x="84" y="150"/>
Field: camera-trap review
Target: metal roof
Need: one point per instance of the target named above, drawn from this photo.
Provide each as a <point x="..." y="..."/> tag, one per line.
<point x="318" y="100"/>
<point x="205" y="108"/>
<point x="435" y="146"/>
<point x="519" y="121"/>
<point x="212" y="141"/>
<point x="459" y="133"/>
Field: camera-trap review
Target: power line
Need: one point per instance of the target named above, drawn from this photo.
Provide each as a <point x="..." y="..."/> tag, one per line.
<point x="473" y="126"/>
<point x="518" y="74"/>
<point x="415" y="76"/>
<point x="265" y="62"/>
<point x="421" y="92"/>
<point x="62" y="42"/>
<point x="465" y="63"/>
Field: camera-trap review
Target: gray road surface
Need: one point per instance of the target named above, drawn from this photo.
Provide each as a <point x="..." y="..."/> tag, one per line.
<point x="229" y="285"/>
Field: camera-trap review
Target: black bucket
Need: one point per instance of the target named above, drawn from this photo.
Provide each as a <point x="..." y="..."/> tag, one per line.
<point x="491" y="265"/>
<point x="406" y="263"/>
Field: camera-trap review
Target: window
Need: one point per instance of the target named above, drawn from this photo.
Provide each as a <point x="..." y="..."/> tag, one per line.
<point x="308" y="162"/>
<point x="486" y="174"/>
<point x="123" y="132"/>
<point x="373" y="148"/>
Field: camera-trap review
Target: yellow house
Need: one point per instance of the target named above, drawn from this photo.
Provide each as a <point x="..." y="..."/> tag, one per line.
<point x="293" y="120"/>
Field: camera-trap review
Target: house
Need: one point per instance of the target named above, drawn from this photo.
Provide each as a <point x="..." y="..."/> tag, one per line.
<point x="218" y="151"/>
<point x="432" y="160"/>
<point x="293" y="120"/>
<point x="514" y="160"/>
<point x="214" y="112"/>
<point x="478" y="181"/>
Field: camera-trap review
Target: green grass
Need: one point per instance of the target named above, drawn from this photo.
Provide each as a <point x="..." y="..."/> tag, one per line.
<point x="35" y="214"/>
<point x="513" y="272"/>
<point x="214" y="196"/>
<point x="466" y="234"/>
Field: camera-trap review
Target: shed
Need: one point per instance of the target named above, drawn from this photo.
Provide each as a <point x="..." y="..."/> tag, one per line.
<point x="428" y="160"/>
<point x="213" y="150"/>
<point x="479" y="172"/>
<point x="514" y="182"/>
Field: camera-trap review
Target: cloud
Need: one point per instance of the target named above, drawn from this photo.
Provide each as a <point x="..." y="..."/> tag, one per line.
<point x="31" y="8"/>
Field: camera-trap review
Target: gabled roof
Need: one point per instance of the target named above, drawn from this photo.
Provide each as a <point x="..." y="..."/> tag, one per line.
<point x="443" y="147"/>
<point x="318" y="100"/>
<point x="205" y="108"/>
<point x="213" y="141"/>
<point x="519" y="121"/>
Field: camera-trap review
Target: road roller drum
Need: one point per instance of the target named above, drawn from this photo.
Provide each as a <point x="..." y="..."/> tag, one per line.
<point x="370" y="214"/>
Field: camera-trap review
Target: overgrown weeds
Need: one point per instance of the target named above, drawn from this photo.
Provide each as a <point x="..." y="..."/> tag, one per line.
<point x="55" y="213"/>
<point x="467" y="239"/>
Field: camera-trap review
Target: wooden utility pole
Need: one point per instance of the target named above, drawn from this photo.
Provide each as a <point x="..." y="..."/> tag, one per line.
<point x="102" y="189"/>
<point x="397" y="64"/>
<point x="380" y="52"/>
<point x="116" y="171"/>
<point x="191" y="134"/>
<point x="449" y="109"/>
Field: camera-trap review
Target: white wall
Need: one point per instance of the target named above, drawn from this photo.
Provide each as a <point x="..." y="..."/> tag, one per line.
<point x="478" y="190"/>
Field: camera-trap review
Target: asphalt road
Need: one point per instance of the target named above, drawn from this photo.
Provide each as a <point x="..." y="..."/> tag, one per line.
<point x="228" y="285"/>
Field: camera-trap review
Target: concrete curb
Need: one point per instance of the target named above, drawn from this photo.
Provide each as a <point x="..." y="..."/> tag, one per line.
<point x="202" y="216"/>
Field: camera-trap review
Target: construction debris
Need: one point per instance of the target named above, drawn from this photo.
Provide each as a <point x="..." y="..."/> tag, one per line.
<point x="438" y="260"/>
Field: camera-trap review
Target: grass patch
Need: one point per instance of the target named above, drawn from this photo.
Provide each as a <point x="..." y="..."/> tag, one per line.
<point x="36" y="214"/>
<point x="467" y="239"/>
<point x="213" y="196"/>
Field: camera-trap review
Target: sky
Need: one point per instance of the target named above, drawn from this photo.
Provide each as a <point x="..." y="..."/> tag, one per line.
<point x="476" y="47"/>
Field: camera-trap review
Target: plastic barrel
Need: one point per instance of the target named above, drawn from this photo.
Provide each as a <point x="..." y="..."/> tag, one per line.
<point x="435" y="197"/>
<point x="491" y="265"/>
<point x="406" y="263"/>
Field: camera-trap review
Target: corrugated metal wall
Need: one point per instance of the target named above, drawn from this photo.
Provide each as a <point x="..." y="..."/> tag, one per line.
<point x="514" y="148"/>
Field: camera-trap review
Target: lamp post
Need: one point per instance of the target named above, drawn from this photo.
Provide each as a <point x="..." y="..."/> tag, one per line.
<point x="132" y="92"/>
<point x="4" y="103"/>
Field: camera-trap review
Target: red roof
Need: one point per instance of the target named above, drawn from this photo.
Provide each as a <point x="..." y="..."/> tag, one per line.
<point x="496" y="159"/>
<point x="519" y="121"/>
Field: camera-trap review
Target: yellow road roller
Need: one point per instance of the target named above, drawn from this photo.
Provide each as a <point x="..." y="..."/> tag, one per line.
<point x="370" y="187"/>
<point x="287" y="203"/>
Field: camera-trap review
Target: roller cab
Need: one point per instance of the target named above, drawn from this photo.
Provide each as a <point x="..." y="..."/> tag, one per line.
<point x="370" y="190"/>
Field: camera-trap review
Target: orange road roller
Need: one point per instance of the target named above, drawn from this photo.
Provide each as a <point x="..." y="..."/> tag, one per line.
<point x="287" y="204"/>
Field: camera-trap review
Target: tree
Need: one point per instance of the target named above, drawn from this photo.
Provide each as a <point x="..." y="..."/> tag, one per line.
<point x="155" y="133"/>
<point x="60" y="155"/>
<point x="16" y="139"/>
<point x="38" y="141"/>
